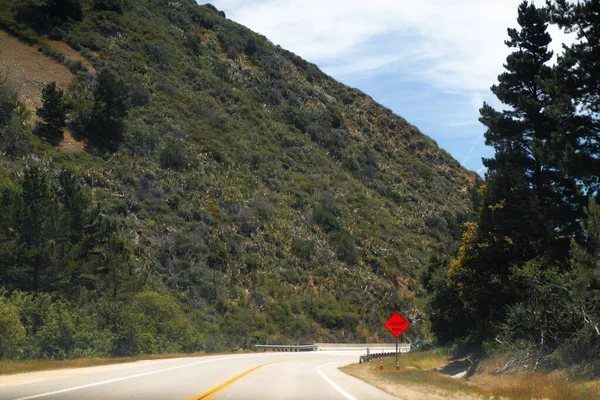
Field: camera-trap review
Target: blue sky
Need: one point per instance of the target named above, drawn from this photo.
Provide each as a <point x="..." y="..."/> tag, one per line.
<point x="430" y="61"/>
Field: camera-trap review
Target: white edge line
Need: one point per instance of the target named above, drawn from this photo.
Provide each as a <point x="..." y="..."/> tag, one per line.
<point x="124" y="378"/>
<point x="332" y="383"/>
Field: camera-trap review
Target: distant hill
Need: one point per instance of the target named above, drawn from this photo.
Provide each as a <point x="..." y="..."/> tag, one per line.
<point x="252" y="193"/>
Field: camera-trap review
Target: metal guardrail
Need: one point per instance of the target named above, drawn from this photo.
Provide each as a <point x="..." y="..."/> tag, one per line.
<point x="376" y="347"/>
<point x="377" y="356"/>
<point x="284" y="347"/>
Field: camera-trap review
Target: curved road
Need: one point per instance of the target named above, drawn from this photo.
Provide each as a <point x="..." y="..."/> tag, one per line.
<point x="310" y="375"/>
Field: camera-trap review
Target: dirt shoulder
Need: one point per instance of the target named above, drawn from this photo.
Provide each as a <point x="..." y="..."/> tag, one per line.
<point x="433" y="375"/>
<point x="411" y="383"/>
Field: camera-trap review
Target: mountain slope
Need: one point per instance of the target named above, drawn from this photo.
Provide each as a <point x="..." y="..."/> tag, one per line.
<point x="272" y="201"/>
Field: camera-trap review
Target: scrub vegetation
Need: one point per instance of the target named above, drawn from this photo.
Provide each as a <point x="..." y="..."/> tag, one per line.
<point x="419" y="378"/>
<point x="225" y="192"/>
<point x="525" y="284"/>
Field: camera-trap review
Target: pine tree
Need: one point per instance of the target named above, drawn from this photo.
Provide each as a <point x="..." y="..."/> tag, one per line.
<point x="578" y="83"/>
<point x="53" y="114"/>
<point x="37" y="230"/>
<point x="526" y="133"/>
<point x="110" y="109"/>
<point x="527" y="201"/>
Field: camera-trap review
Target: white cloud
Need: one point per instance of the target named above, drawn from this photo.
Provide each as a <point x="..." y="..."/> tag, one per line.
<point x="467" y="122"/>
<point x="449" y="46"/>
<point x="455" y="44"/>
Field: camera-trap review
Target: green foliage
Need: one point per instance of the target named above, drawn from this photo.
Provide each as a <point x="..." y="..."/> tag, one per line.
<point x="252" y="198"/>
<point x="586" y="288"/>
<point x="43" y="15"/>
<point x="110" y="109"/>
<point x="80" y="102"/>
<point x="140" y="95"/>
<point x="173" y="156"/>
<point x="445" y="310"/>
<point x="53" y="114"/>
<point x="108" y="5"/>
<point x="517" y="279"/>
<point x="163" y="326"/>
<point x="13" y="120"/>
<point x="345" y="248"/>
<point x="545" y="315"/>
<point x="43" y="326"/>
<point x="12" y="333"/>
<point x="8" y="102"/>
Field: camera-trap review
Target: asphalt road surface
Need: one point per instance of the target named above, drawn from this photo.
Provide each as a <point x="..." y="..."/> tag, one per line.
<point x="309" y="375"/>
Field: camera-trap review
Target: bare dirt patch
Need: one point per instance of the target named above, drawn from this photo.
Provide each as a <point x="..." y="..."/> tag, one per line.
<point x="28" y="70"/>
<point x="71" y="144"/>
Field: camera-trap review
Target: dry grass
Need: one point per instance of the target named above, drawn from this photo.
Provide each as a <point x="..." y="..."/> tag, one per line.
<point x="412" y="382"/>
<point x="528" y="385"/>
<point x="416" y="380"/>
<point x="424" y="359"/>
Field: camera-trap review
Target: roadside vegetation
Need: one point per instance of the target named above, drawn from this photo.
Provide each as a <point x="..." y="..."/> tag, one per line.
<point x="228" y="192"/>
<point x="422" y="376"/>
<point x="8" y="367"/>
<point x="523" y="290"/>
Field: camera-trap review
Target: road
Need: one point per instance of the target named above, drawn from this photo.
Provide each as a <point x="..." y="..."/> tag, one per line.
<point x="309" y="375"/>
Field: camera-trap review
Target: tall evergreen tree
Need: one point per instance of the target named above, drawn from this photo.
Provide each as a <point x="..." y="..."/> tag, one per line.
<point x="526" y="133"/>
<point x="527" y="202"/>
<point x="110" y="109"/>
<point x="53" y="113"/>
<point x="578" y="82"/>
<point x="37" y="230"/>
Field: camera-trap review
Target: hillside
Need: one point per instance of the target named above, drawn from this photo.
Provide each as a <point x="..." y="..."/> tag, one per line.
<point x="246" y="196"/>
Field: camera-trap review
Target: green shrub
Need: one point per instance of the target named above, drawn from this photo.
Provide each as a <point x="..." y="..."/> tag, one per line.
<point x="328" y="221"/>
<point x="173" y="156"/>
<point x="108" y="5"/>
<point x="345" y="248"/>
<point x="303" y="249"/>
<point x="8" y="101"/>
<point x="12" y="332"/>
<point x="13" y="120"/>
<point x="140" y="95"/>
<point x="140" y="138"/>
<point x="75" y="66"/>
<point x="163" y="327"/>
<point x="80" y="101"/>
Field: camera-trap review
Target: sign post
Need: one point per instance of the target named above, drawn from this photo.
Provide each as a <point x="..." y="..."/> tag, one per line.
<point x="396" y="324"/>
<point x="396" y="352"/>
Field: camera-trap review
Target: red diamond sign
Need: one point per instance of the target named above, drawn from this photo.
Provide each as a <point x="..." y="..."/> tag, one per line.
<point x="396" y="324"/>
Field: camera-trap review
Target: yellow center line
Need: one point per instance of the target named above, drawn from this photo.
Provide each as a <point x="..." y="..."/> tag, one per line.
<point x="211" y="392"/>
